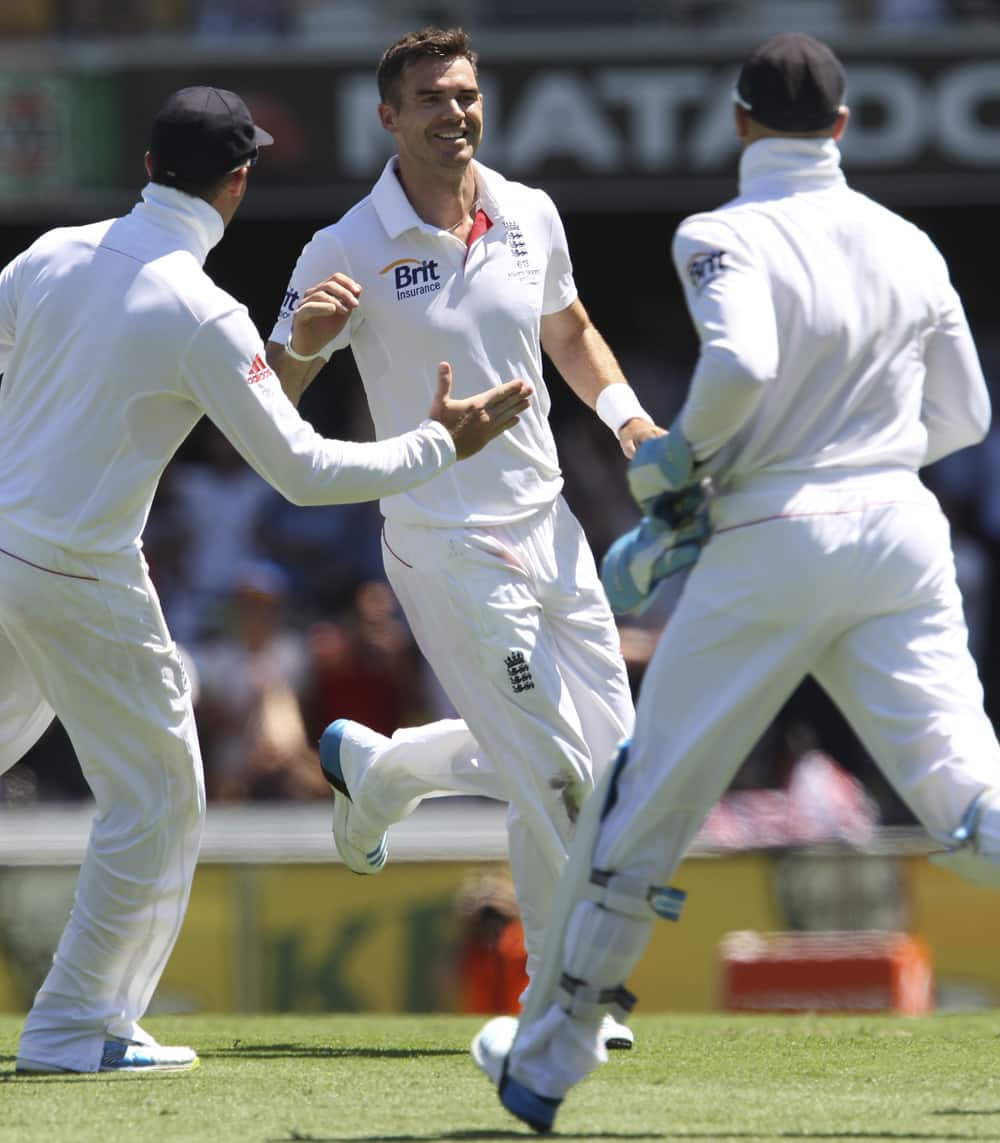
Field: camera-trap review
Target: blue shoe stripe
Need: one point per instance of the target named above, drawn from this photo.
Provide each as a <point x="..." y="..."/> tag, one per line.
<point x="329" y="755"/>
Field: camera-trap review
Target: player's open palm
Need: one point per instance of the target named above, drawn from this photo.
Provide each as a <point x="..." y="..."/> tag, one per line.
<point x="474" y="421"/>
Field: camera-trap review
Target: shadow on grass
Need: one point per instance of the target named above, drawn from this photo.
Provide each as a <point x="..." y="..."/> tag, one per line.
<point x="480" y="1133"/>
<point x="967" y="1111"/>
<point x="472" y="1135"/>
<point x="239" y="1050"/>
<point x="484" y="1133"/>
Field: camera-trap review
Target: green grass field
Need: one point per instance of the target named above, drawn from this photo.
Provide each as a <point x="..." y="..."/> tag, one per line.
<point x="266" y="1079"/>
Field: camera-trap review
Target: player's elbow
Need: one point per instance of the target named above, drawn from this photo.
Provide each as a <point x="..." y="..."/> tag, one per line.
<point x="748" y="366"/>
<point x="303" y="493"/>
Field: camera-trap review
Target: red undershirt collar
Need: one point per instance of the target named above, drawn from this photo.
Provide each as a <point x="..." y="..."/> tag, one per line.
<point x="481" y="222"/>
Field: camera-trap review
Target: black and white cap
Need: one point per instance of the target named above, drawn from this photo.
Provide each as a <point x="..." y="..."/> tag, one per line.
<point x="200" y="133"/>
<point x="792" y="83"/>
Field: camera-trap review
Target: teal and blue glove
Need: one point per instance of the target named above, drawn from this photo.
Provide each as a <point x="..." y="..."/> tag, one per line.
<point x="664" y="543"/>
<point x="661" y="464"/>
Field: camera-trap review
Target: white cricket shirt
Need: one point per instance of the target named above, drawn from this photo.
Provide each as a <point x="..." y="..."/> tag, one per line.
<point x="427" y="298"/>
<point x="831" y="336"/>
<point x="113" y="343"/>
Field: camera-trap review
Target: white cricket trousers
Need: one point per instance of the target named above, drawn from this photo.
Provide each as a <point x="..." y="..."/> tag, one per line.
<point x="515" y="623"/>
<point x="850" y="580"/>
<point x="84" y="638"/>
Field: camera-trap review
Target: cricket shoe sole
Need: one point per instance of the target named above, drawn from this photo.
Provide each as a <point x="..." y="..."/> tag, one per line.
<point x="122" y="1057"/>
<point x="615" y="1036"/>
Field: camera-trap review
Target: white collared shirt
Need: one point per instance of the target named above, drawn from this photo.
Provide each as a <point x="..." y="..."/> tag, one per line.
<point x="831" y="336"/>
<point x="113" y="343"/>
<point x="428" y="298"/>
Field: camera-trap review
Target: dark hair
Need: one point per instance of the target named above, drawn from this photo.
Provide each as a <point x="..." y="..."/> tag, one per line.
<point x="429" y="43"/>
<point x="208" y="189"/>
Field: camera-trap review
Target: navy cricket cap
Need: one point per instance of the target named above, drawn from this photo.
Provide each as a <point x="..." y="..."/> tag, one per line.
<point x="792" y="83"/>
<point x="201" y="133"/>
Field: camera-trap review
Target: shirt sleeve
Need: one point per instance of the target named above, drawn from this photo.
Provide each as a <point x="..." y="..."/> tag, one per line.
<point x="230" y="381"/>
<point x="560" y="287"/>
<point x="729" y="299"/>
<point x="8" y="310"/>
<point x="321" y="256"/>
<point x="956" y="402"/>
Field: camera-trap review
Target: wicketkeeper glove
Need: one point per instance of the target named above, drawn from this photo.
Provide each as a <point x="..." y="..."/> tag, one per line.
<point x="661" y="464"/>
<point x="663" y="544"/>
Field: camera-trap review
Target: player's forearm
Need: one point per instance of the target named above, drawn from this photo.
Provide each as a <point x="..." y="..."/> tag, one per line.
<point x="295" y="376"/>
<point x="587" y="365"/>
<point x="724" y="392"/>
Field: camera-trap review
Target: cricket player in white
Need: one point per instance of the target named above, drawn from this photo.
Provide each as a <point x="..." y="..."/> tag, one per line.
<point x="835" y="362"/>
<point x="113" y="344"/>
<point x="446" y="257"/>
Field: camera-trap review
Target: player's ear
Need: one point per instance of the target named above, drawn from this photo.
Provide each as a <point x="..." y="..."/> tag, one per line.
<point x="387" y="116"/>
<point x="236" y="182"/>
<point x="840" y="123"/>
<point x="148" y="163"/>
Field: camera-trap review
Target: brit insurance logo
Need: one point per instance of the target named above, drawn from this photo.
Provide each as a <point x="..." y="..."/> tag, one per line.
<point x="705" y="267"/>
<point x="413" y="277"/>
<point x="289" y="303"/>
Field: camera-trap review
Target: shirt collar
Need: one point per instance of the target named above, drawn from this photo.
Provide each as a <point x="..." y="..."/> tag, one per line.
<point x="785" y="164"/>
<point x="196" y="223"/>
<point x="397" y="214"/>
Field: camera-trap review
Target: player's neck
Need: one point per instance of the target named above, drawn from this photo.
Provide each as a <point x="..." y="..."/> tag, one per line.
<point x="437" y="198"/>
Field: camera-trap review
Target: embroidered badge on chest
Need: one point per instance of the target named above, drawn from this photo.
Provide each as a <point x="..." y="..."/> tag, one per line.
<point x="518" y="248"/>
<point x="519" y="672"/>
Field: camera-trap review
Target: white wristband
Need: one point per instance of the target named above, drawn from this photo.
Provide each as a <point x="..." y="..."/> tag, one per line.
<point x="617" y="404"/>
<point x="295" y="355"/>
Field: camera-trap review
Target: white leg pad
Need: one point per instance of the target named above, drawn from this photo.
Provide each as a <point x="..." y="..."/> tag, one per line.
<point x="584" y="1002"/>
<point x="600" y="951"/>
<point x="597" y="930"/>
<point x="634" y="896"/>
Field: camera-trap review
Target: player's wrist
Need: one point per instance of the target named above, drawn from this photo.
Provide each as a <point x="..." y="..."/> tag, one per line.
<point x="617" y="404"/>
<point x="294" y="354"/>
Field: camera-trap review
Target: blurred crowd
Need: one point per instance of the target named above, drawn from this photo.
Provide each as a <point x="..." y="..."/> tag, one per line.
<point x="314" y="19"/>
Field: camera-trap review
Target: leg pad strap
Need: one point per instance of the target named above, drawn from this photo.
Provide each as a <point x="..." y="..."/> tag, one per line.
<point x="586" y="1002"/>
<point x="633" y="897"/>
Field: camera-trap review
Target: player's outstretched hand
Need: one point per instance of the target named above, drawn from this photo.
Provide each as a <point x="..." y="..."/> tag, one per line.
<point x="323" y="312"/>
<point x="474" y="421"/>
